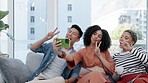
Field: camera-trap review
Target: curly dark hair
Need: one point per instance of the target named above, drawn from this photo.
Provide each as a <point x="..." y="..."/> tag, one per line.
<point x="106" y="41"/>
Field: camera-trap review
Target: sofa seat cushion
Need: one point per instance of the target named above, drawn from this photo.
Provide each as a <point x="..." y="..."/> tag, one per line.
<point x="14" y="70"/>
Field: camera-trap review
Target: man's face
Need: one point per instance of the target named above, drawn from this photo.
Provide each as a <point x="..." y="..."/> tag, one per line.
<point x="73" y="35"/>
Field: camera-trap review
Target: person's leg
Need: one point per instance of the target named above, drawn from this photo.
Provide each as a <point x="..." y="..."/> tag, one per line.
<point x="59" y="79"/>
<point x="142" y="79"/>
<point x="38" y="78"/>
<point x="53" y="80"/>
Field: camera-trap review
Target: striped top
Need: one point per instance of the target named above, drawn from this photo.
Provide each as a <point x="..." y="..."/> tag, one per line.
<point x="132" y="62"/>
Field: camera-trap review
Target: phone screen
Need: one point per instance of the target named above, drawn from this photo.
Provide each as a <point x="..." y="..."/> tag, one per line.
<point x="65" y="42"/>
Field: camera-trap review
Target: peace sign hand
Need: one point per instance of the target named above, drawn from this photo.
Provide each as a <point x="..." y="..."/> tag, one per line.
<point x="97" y="49"/>
<point x="126" y="46"/>
<point x="51" y="34"/>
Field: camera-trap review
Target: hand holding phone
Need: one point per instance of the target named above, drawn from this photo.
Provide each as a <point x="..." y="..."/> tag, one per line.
<point x="65" y="42"/>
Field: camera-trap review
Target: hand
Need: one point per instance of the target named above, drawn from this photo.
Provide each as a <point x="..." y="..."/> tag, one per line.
<point x="66" y="81"/>
<point x="55" y="45"/>
<point x="97" y="49"/>
<point x="126" y="46"/>
<point x="51" y="34"/>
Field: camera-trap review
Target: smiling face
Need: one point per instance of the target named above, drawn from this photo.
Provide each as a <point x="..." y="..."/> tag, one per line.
<point x="126" y="37"/>
<point x="73" y="35"/>
<point x="96" y="37"/>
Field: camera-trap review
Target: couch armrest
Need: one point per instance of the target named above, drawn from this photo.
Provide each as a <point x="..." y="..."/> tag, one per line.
<point x="33" y="61"/>
<point x="14" y="70"/>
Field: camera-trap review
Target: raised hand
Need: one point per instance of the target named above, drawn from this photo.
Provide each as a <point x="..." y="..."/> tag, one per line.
<point x="126" y="46"/>
<point x="51" y="34"/>
<point x="97" y="49"/>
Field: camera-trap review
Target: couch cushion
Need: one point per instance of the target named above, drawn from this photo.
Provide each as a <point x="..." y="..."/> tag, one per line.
<point x="14" y="70"/>
<point x="33" y="61"/>
<point x="2" y="80"/>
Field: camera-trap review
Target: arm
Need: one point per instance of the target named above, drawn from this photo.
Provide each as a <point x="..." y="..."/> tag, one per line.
<point x="37" y="44"/>
<point x="141" y="54"/>
<point x="105" y="58"/>
<point x="75" y="73"/>
<point x="61" y="54"/>
<point x="138" y="52"/>
<point x="70" y="80"/>
<point x="49" y="36"/>
<point x="107" y="64"/>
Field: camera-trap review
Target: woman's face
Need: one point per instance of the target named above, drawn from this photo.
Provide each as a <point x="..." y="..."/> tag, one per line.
<point x="96" y="37"/>
<point x="126" y="37"/>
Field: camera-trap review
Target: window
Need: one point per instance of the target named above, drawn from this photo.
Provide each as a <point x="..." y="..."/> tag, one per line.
<point x="69" y="8"/>
<point x="31" y="26"/>
<point x="32" y="19"/>
<point x="32" y="8"/>
<point x="69" y="18"/>
<point x="32" y="31"/>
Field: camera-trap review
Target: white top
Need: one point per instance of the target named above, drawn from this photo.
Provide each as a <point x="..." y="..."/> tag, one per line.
<point x="56" y="66"/>
<point x="132" y="62"/>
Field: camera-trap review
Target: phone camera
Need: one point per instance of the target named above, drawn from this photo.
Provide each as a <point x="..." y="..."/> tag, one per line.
<point x="66" y="40"/>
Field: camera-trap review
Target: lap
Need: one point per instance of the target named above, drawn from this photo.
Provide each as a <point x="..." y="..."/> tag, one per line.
<point x="93" y="77"/>
<point x="142" y="78"/>
<point x="42" y="79"/>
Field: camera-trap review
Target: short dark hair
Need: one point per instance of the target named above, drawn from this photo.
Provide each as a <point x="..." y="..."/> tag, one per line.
<point x="88" y="33"/>
<point x="78" y="28"/>
<point x="133" y="35"/>
<point x="106" y="41"/>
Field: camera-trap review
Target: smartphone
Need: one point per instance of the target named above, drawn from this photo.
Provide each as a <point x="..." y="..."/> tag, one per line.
<point x="65" y="42"/>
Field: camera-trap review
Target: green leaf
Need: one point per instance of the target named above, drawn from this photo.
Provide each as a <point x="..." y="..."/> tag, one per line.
<point x="2" y="25"/>
<point x="6" y="26"/>
<point x="3" y="14"/>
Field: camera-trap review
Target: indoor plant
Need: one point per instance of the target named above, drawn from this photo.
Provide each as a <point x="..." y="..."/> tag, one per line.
<point x="4" y="26"/>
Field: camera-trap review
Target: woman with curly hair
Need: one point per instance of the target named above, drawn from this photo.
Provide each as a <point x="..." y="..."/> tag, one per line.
<point x="94" y="57"/>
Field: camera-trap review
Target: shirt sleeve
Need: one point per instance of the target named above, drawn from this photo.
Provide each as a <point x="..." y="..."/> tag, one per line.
<point x="141" y="54"/>
<point x="76" y="59"/>
<point x="43" y="48"/>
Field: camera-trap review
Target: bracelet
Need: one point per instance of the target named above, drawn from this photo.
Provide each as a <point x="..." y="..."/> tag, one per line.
<point x="63" y="54"/>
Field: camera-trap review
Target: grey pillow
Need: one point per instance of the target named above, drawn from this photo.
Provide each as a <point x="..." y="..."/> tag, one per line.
<point x="2" y="80"/>
<point x="33" y="65"/>
<point x="14" y="70"/>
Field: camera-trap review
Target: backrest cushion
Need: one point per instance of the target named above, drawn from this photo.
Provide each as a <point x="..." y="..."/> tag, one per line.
<point x="33" y="61"/>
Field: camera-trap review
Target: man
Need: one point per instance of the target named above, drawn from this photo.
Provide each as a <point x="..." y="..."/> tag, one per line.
<point x="52" y="68"/>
